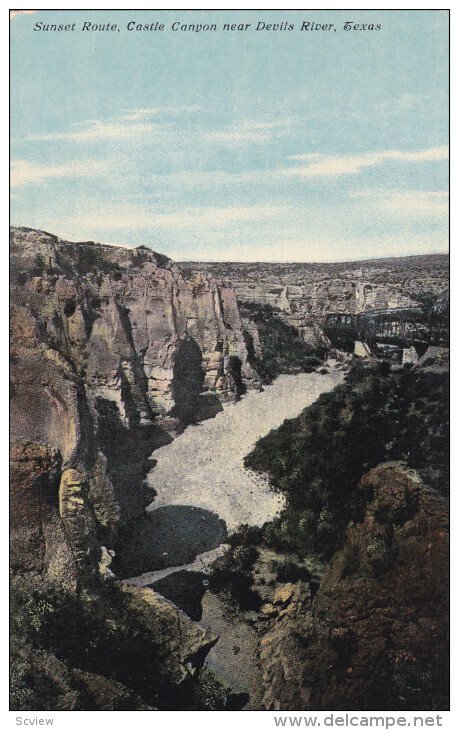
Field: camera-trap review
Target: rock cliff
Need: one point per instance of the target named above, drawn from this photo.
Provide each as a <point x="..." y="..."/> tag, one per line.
<point x="303" y="294"/>
<point x="38" y="541"/>
<point x="374" y="636"/>
<point x="113" y="352"/>
<point x="127" y="322"/>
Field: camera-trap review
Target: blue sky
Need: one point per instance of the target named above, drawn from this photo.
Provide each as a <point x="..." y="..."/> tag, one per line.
<point x="256" y="145"/>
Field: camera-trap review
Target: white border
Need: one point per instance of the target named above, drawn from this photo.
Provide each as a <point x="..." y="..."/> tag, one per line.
<point x="200" y="720"/>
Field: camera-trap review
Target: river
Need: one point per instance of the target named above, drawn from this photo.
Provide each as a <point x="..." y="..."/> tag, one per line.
<point x="204" y="466"/>
<point x="203" y="494"/>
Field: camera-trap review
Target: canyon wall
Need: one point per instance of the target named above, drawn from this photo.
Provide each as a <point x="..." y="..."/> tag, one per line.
<point x="113" y="352"/>
<point x="303" y="294"/>
<point x="375" y="636"/>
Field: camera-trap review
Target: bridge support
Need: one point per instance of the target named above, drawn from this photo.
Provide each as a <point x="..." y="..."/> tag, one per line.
<point x="361" y="349"/>
<point x="409" y="356"/>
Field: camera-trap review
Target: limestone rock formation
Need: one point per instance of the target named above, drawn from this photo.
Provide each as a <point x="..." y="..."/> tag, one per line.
<point x="126" y="320"/>
<point x="374" y="636"/>
<point x="187" y="642"/>
<point x="38" y="542"/>
<point x="303" y="294"/>
<point x="121" y="648"/>
<point x="113" y="350"/>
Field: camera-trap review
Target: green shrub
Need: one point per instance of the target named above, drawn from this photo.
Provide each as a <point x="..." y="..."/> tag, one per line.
<point x="318" y="459"/>
<point x="289" y="571"/>
<point x="232" y="575"/>
<point x="103" y="634"/>
<point x="282" y="347"/>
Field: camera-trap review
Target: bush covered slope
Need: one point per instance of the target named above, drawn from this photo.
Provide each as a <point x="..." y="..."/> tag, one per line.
<point x="122" y="649"/>
<point x="281" y="348"/>
<point x="318" y="459"/>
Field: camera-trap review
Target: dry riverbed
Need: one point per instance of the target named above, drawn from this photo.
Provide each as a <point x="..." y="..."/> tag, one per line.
<point x="203" y="493"/>
<point x="204" y="467"/>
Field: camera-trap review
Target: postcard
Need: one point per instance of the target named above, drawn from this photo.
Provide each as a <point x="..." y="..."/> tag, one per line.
<point x="229" y="361"/>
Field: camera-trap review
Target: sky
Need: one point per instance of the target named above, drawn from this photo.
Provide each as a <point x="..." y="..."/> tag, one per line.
<point x="269" y="145"/>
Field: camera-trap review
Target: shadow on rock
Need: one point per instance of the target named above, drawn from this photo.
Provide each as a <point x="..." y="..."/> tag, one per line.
<point x="208" y="406"/>
<point x="185" y="589"/>
<point x="168" y="536"/>
<point x="127" y="450"/>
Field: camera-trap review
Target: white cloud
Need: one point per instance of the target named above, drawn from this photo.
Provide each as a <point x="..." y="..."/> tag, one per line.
<point x="97" y="131"/>
<point x="315" y="247"/>
<point x="200" y="179"/>
<point x="14" y="13"/>
<point x="321" y="165"/>
<point x="192" y="220"/>
<point x="214" y="217"/>
<point x="249" y="131"/>
<point x="28" y="173"/>
<point x="424" y="203"/>
<point x="133" y="115"/>
<point x="410" y="101"/>
<point x="259" y="232"/>
<point x="129" y="124"/>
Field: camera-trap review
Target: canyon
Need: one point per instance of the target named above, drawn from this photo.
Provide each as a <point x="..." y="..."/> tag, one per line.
<point x="138" y="387"/>
<point x="303" y="294"/>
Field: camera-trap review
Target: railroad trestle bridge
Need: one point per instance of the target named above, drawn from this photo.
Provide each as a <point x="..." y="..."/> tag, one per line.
<point x="384" y="332"/>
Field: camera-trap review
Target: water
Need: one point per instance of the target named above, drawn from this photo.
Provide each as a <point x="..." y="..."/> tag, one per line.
<point x="203" y="493"/>
<point x="203" y="490"/>
<point x="204" y="466"/>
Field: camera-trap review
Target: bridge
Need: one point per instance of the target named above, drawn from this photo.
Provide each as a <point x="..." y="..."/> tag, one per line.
<point x="384" y="331"/>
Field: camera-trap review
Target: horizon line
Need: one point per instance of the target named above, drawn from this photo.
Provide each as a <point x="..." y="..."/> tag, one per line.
<point x="328" y="261"/>
<point x="233" y="261"/>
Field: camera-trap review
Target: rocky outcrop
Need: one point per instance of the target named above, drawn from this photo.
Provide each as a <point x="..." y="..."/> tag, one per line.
<point x="40" y="681"/>
<point x="122" y="648"/>
<point x="53" y="524"/>
<point x="303" y="294"/>
<point x="37" y="535"/>
<point x="187" y="643"/>
<point x="375" y="635"/>
<point x="113" y="351"/>
<point x="434" y="360"/>
<point x="125" y="321"/>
